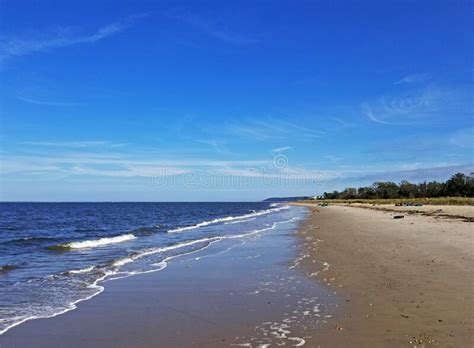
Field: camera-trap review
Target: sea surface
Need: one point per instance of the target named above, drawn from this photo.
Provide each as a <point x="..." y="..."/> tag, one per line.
<point x="54" y="255"/>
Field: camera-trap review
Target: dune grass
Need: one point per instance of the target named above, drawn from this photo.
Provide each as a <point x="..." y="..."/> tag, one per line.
<point x="425" y="201"/>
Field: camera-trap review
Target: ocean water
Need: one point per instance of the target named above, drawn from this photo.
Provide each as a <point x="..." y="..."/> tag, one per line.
<point x="54" y="255"/>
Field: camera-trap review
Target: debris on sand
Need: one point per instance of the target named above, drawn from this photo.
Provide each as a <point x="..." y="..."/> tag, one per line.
<point x="408" y="204"/>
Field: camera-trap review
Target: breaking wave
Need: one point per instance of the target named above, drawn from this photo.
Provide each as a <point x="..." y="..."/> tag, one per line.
<point x="228" y="219"/>
<point x="93" y="243"/>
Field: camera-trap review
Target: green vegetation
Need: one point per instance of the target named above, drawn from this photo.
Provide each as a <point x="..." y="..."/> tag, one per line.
<point x="460" y="186"/>
<point x="394" y="201"/>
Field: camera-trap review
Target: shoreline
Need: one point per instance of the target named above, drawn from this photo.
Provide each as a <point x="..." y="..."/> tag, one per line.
<point x="343" y="276"/>
<point x="235" y="293"/>
<point x="406" y="282"/>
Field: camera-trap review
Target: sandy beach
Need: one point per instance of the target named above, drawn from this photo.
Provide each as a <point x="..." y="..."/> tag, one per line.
<point x="344" y="276"/>
<point x="403" y="282"/>
<point x="460" y="212"/>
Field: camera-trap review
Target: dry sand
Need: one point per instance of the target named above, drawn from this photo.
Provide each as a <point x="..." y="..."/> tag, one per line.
<point x="462" y="212"/>
<point x="403" y="282"/>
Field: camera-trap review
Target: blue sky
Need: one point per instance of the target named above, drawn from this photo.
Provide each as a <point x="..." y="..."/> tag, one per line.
<point x="230" y="100"/>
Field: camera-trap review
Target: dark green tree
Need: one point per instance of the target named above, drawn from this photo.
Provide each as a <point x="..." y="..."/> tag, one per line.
<point x="386" y="190"/>
<point x="349" y="193"/>
<point x="470" y="185"/>
<point x="366" y="193"/>
<point x="435" y="189"/>
<point x="407" y="190"/>
<point x="457" y="185"/>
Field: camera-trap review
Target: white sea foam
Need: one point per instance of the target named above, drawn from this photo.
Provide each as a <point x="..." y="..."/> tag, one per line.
<point x="153" y="251"/>
<point x="84" y="270"/>
<point x="71" y="306"/>
<point x="235" y="219"/>
<point x="109" y="275"/>
<point x="239" y="221"/>
<point x="208" y="240"/>
<point x="99" y="242"/>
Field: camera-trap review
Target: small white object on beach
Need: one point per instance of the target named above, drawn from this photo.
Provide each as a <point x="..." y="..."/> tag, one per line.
<point x="301" y="342"/>
<point x="326" y="266"/>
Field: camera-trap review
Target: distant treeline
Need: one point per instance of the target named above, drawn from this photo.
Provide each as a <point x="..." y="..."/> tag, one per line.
<point x="460" y="185"/>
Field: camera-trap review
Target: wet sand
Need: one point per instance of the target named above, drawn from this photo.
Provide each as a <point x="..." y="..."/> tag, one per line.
<point x="237" y="293"/>
<point x="404" y="282"/>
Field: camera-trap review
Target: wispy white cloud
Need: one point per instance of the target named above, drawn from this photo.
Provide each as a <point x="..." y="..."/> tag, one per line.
<point x="73" y="144"/>
<point x="426" y="104"/>
<point x="415" y="78"/>
<point x="416" y="172"/>
<point x="369" y="113"/>
<point x="45" y="102"/>
<point x="210" y="142"/>
<point x="127" y="171"/>
<point x="210" y="28"/>
<point x="274" y="129"/>
<point x="84" y="167"/>
<point x="454" y="144"/>
<point x="282" y="149"/>
<point x="463" y="138"/>
<point x="99" y="161"/>
<point x="217" y="146"/>
<point x="109" y="162"/>
<point x="14" y="47"/>
<point x="343" y="124"/>
<point x="334" y="159"/>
